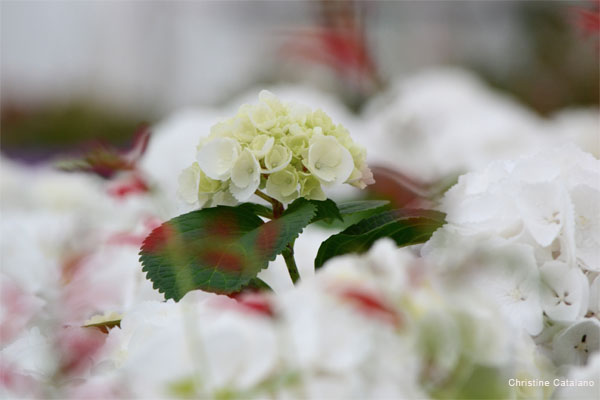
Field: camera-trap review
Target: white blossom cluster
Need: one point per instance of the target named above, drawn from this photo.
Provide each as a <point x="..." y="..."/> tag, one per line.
<point x="445" y="121"/>
<point x="507" y="289"/>
<point x="543" y="210"/>
<point x="374" y="326"/>
<point x="284" y="148"/>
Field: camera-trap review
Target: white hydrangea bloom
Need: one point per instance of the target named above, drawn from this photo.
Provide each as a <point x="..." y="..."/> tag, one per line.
<point x="379" y="325"/>
<point x="286" y="149"/>
<point x="548" y="203"/>
<point x="582" y="382"/>
<point x="577" y="343"/>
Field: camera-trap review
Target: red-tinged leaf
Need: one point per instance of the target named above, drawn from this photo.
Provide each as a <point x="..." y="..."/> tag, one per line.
<point x="106" y="161"/>
<point x="404" y="191"/>
<point x="218" y="249"/>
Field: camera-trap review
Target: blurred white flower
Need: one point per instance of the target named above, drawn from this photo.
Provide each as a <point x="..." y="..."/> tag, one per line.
<point x="444" y="121"/>
<point x="577" y="343"/>
<point x="32" y="355"/>
<point x="581" y="382"/>
<point x="207" y="342"/>
<point x="546" y="202"/>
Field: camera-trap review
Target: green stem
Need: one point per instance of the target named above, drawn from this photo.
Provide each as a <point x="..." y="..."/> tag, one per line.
<point x="288" y="253"/>
<point x="288" y="256"/>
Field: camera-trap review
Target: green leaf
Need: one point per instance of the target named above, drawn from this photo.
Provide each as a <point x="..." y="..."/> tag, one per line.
<point x="326" y="210"/>
<point x="218" y="249"/>
<point x="353" y="207"/>
<point x="104" y="326"/>
<point x="258" y="209"/>
<point x="405" y="227"/>
<point x="354" y="211"/>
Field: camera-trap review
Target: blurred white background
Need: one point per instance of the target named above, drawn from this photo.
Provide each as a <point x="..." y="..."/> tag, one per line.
<point x="158" y="56"/>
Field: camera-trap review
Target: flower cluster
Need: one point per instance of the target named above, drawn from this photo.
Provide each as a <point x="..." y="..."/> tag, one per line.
<point x="284" y="148"/>
<point x="545" y="210"/>
<point x="380" y="325"/>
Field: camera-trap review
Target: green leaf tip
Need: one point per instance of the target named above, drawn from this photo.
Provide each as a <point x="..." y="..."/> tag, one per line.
<point x="405" y="226"/>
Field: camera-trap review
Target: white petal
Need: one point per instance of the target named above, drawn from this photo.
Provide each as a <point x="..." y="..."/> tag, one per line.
<point x="246" y="170"/>
<point x="564" y="291"/>
<point x="244" y="193"/>
<point x="576" y="343"/>
<point x="586" y="203"/>
<point x="589" y="373"/>
<point x="188" y="183"/>
<point x="216" y="158"/>
<point x="281" y="165"/>
<point x="543" y="207"/>
<point x="265" y="143"/>
<point x="262" y="117"/>
<point x="511" y="279"/>
<point x="245" y="176"/>
<point x="594" y="303"/>
<point x="329" y="161"/>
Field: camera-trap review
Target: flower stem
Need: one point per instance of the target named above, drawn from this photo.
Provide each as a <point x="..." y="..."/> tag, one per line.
<point x="288" y="256"/>
<point x="288" y="252"/>
<point x="277" y="206"/>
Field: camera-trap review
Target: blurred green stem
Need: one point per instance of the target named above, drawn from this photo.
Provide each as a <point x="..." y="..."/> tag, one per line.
<point x="288" y="256"/>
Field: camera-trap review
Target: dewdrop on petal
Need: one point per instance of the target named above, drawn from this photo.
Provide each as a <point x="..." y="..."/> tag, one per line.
<point x="284" y="149"/>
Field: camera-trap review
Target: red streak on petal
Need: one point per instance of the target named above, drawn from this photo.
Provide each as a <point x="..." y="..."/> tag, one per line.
<point x="126" y="239"/>
<point x="78" y="346"/>
<point x="371" y="305"/>
<point x="135" y="185"/>
<point x="71" y="264"/>
<point x="255" y="303"/>
<point x="12" y="380"/>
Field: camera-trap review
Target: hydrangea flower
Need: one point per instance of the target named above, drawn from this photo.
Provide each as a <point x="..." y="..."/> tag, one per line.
<point x="378" y="325"/>
<point x="548" y="203"/>
<point x="286" y="149"/>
